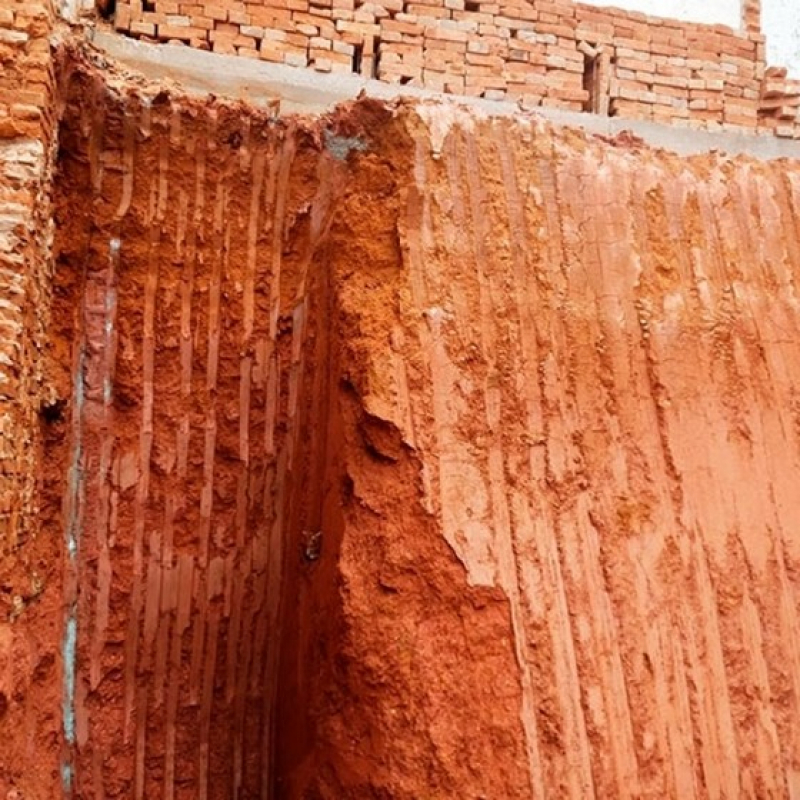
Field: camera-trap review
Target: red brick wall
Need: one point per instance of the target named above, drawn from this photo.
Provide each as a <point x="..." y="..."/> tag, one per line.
<point x="539" y="52"/>
<point x="30" y="557"/>
<point x="26" y="123"/>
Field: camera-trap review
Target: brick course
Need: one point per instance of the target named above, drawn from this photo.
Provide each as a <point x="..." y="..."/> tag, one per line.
<point x="553" y="53"/>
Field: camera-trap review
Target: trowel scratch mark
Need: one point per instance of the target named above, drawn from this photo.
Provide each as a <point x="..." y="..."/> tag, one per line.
<point x="267" y="549"/>
<point x="163" y="179"/>
<point x="96" y="134"/>
<point x="233" y="663"/>
<point x="128" y="152"/>
<point x="515" y="215"/>
<point x="782" y="484"/>
<point x="295" y="372"/>
<point x="271" y="397"/>
<point x="198" y="624"/>
<point x="167" y="593"/>
<point x="215" y="588"/>
<point x="244" y="554"/>
<point x="94" y="367"/>
<point x="198" y="150"/>
<point x="286" y="159"/>
<point x="273" y="587"/>
<point x="269" y="381"/>
<point x="579" y="773"/>
<point x="181" y="575"/>
<point x="219" y="269"/>
<point x="204" y="630"/>
<point x="146" y="586"/>
<point x="155" y="629"/>
<point x="596" y="202"/>
<point x="145" y="450"/>
<point x="245" y="382"/>
<point x="258" y="172"/>
<point x="184" y="592"/>
<point x="268" y="557"/>
<point x="651" y="213"/>
<point x="420" y="235"/>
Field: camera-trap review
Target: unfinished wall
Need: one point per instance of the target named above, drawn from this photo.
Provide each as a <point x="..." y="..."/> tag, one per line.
<point x="27" y="108"/>
<point x="370" y="507"/>
<point x="30" y="543"/>
<point x="554" y="53"/>
<point x="185" y="235"/>
<point x="318" y="495"/>
<point x="593" y="397"/>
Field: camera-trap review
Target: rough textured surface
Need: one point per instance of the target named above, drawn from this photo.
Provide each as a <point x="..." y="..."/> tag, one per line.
<point x="593" y="357"/>
<point x="218" y="445"/>
<point x="425" y="455"/>
<point x="183" y="268"/>
<point x="580" y="373"/>
<point x="30" y="553"/>
<point x="403" y="453"/>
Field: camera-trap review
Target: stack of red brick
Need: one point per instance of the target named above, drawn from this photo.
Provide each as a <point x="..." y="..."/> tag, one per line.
<point x="669" y="71"/>
<point x="779" y="111"/>
<point x="26" y="74"/>
<point x="554" y="53"/>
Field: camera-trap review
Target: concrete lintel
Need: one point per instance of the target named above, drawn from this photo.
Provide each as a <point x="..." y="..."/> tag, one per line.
<point x="305" y="91"/>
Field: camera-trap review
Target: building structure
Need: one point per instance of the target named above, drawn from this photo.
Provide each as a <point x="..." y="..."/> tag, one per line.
<point x="552" y="53"/>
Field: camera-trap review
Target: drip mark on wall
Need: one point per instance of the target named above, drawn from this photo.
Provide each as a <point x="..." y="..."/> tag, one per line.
<point x="103" y="357"/>
<point x="73" y="523"/>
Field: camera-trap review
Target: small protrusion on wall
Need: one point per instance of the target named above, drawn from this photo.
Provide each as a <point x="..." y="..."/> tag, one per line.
<point x="751" y="16"/>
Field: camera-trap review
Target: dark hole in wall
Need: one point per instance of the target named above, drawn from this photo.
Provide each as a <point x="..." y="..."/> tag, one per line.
<point x="52" y="411"/>
<point x="376" y="58"/>
<point x="612" y="110"/>
<point x="106" y="8"/>
<point x="472" y="6"/>
<point x="358" y="51"/>
<point x="590" y="82"/>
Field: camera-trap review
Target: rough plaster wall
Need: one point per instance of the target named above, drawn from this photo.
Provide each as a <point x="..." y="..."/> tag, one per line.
<point x="724" y="12"/>
<point x="185" y="233"/>
<point x="568" y="559"/>
<point x="780" y="21"/>
<point x="591" y="351"/>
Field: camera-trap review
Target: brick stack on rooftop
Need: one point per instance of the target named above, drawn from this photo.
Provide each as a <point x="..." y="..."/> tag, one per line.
<point x="779" y="110"/>
<point x="552" y="53"/>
